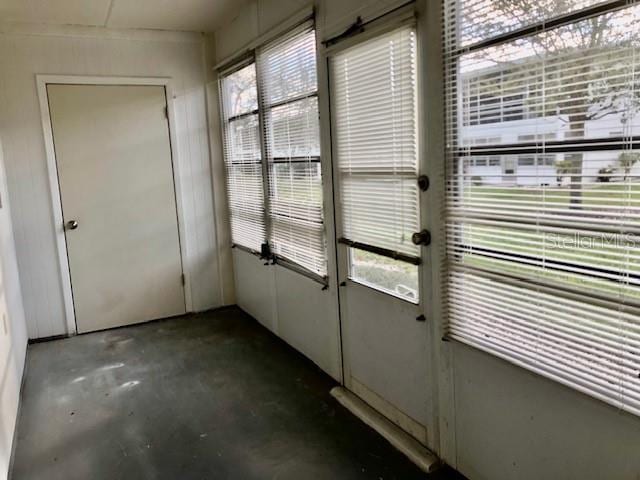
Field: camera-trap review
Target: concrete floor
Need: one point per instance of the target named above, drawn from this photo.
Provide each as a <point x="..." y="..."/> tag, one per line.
<point x="212" y="395"/>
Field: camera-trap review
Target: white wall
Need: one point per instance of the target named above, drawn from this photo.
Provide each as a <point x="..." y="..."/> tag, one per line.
<point x="13" y="334"/>
<point x="260" y="16"/>
<point x="292" y="306"/>
<point x="513" y="424"/>
<point x="498" y="421"/>
<point x="223" y="228"/>
<point x="26" y="51"/>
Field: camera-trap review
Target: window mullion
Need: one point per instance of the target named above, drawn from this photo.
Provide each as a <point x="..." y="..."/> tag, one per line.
<point x="263" y="122"/>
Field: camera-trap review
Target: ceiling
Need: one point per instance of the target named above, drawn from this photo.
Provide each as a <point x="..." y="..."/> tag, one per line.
<point x="187" y="15"/>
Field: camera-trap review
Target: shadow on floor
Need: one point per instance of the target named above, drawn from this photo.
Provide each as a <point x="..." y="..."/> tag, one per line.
<point x="212" y="395"/>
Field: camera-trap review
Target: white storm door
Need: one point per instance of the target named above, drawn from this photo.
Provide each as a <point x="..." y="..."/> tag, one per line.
<point x="376" y="164"/>
<point x="115" y="173"/>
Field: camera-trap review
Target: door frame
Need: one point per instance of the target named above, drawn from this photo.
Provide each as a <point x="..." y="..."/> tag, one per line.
<point x="54" y="188"/>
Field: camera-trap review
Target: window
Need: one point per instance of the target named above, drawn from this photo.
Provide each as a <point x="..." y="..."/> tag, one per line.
<point x="243" y="158"/>
<point x="292" y="138"/>
<point x="546" y="160"/>
<point x="488" y="99"/>
<point x="526" y="160"/>
<point x="544" y="264"/>
<point x="538" y="137"/>
<point x="374" y="104"/>
<point x="276" y="201"/>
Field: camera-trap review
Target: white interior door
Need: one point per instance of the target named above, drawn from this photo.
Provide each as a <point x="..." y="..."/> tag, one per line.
<point x="376" y="165"/>
<point x="115" y="174"/>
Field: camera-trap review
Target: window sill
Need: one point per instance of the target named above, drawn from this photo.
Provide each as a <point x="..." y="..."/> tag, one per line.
<point x="283" y="262"/>
<point x="322" y="280"/>
<point x="382" y="291"/>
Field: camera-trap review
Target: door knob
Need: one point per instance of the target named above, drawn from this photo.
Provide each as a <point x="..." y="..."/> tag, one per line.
<point x="423" y="183"/>
<point x="72" y="224"/>
<point x="421" y="238"/>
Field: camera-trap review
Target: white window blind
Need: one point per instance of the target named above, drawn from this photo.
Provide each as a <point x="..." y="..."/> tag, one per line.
<point x="375" y="136"/>
<point x="543" y="245"/>
<point x="288" y="94"/>
<point x="243" y="158"/>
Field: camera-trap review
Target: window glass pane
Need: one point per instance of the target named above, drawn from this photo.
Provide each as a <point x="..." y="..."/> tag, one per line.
<point x="575" y="82"/>
<point x="244" y="140"/>
<point x="600" y="188"/>
<point x="239" y="91"/>
<point x="296" y="190"/>
<point x="290" y="67"/>
<point x="246" y="178"/>
<point x="246" y="204"/>
<point x="243" y="157"/>
<point x="294" y="129"/>
<point x="292" y="141"/>
<point x="374" y="99"/>
<point x="391" y="276"/>
<point x="300" y="242"/>
<point x="482" y="19"/>
<point x="526" y="161"/>
<point x="582" y="259"/>
<point x="384" y="211"/>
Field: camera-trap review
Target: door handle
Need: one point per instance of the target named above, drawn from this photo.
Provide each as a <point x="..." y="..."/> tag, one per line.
<point x="72" y="225"/>
<point x="423" y="183"/>
<point x="421" y="238"/>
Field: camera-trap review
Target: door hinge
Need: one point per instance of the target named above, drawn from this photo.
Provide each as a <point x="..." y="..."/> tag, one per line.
<point x="182" y="279"/>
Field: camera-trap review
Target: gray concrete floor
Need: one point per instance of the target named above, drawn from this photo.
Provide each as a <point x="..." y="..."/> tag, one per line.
<point x="212" y="395"/>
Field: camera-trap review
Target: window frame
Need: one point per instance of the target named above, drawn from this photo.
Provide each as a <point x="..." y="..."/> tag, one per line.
<point x="267" y="131"/>
<point x="248" y="58"/>
<point x="509" y="336"/>
<point x="235" y="66"/>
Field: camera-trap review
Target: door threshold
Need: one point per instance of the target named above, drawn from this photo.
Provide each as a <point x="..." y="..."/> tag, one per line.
<point x="414" y="450"/>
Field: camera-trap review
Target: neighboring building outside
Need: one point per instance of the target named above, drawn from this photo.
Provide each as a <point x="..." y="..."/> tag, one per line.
<point x="501" y="118"/>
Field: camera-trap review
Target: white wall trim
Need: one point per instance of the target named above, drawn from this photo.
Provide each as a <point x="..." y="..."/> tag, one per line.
<point x="40" y="29"/>
<point x="54" y="188"/>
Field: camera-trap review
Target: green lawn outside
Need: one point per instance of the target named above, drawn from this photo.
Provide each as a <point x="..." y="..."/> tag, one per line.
<point x="613" y="253"/>
<point x="602" y="195"/>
